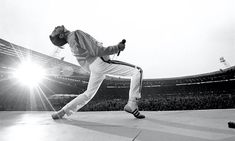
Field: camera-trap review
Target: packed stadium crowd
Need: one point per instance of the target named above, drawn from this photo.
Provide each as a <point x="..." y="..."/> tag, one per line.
<point x="111" y="96"/>
<point x="189" y="102"/>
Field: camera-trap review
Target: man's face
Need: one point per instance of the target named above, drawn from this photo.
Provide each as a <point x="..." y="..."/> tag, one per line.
<point x="58" y="30"/>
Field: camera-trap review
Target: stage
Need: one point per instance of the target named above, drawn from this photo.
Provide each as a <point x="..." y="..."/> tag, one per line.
<point x="193" y="125"/>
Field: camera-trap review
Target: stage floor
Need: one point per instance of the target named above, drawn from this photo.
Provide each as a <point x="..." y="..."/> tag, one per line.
<point x="193" y="125"/>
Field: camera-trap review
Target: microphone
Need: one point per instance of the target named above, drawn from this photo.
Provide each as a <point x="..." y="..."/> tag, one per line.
<point x="123" y="42"/>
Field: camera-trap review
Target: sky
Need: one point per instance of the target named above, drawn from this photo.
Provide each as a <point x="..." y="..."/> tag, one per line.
<point x="166" y="38"/>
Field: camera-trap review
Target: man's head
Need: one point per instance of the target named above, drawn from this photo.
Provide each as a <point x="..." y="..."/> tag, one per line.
<point x="58" y="36"/>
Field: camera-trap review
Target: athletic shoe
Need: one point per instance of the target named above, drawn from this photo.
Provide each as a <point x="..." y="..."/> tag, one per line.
<point x="135" y="112"/>
<point x="58" y="115"/>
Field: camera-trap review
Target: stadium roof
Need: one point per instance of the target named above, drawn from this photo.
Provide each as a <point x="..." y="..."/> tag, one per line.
<point x="219" y="72"/>
<point x="10" y="50"/>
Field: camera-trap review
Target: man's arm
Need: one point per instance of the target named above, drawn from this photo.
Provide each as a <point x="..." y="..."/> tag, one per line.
<point x="95" y="48"/>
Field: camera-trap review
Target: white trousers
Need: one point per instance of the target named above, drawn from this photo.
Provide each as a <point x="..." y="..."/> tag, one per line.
<point x="99" y="69"/>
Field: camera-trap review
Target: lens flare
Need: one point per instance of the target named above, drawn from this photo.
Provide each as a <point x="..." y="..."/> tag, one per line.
<point x="29" y="74"/>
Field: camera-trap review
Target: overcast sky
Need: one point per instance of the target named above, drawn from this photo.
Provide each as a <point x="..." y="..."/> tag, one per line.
<point x="167" y="38"/>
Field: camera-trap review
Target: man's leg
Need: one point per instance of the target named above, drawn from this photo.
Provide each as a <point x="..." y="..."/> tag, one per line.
<point x="82" y="99"/>
<point x="119" y="68"/>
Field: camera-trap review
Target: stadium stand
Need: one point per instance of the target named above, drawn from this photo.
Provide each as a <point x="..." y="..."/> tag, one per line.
<point x="15" y="97"/>
<point x="203" y="91"/>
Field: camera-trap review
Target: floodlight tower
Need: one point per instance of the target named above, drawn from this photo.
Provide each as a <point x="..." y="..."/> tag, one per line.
<point x="224" y="63"/>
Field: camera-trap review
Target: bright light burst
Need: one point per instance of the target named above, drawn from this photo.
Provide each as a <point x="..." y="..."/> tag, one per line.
<point x="29" y="73"/>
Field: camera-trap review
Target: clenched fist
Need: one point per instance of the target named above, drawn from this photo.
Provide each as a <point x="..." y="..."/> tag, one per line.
<point x="121" y="46"/>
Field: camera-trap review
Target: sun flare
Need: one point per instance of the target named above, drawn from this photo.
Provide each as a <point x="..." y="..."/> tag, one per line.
<point x="29" y="73"/>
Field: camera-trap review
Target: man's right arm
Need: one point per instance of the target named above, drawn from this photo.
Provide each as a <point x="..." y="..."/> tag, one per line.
<point x="95" y="48"/>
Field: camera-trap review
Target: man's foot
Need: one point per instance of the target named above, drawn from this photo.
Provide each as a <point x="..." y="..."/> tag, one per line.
<point x="58" y="115"/>
<point x="135" y="112"/>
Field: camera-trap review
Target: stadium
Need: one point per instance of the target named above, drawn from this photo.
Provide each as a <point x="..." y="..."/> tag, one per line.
<point x="208" y="99"/>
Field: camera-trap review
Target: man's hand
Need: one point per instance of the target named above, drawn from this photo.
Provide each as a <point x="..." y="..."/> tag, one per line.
<point x="121" y="46"/>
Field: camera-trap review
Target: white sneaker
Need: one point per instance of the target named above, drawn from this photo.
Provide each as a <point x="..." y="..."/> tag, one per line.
<point x="58" y="115"/>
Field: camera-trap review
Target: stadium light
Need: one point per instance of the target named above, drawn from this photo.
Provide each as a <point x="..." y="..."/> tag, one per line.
<point x="29" y="73"/>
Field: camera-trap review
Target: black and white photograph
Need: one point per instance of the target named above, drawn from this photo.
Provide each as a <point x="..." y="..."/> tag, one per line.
<point x="117" y="70"/>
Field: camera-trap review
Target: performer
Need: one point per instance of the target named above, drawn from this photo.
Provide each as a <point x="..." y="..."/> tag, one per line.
<point x="94" y="58"/>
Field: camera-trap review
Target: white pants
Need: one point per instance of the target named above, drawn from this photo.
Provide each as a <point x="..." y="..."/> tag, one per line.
<point x="99" y="68"/>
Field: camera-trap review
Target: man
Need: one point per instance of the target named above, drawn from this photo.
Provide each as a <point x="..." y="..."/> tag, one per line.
<point x="94" y="58"/>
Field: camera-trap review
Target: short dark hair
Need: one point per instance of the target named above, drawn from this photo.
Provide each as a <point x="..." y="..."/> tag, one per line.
<point x="56" y="40"/>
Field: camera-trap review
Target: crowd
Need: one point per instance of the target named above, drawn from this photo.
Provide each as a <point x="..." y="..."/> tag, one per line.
<point x="186" y="102"/>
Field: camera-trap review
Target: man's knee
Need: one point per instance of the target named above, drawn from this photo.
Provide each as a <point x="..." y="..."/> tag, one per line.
<point x="84" y="97"/>
<point x="87" y="96"/>
<point x="140" y="72"/>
